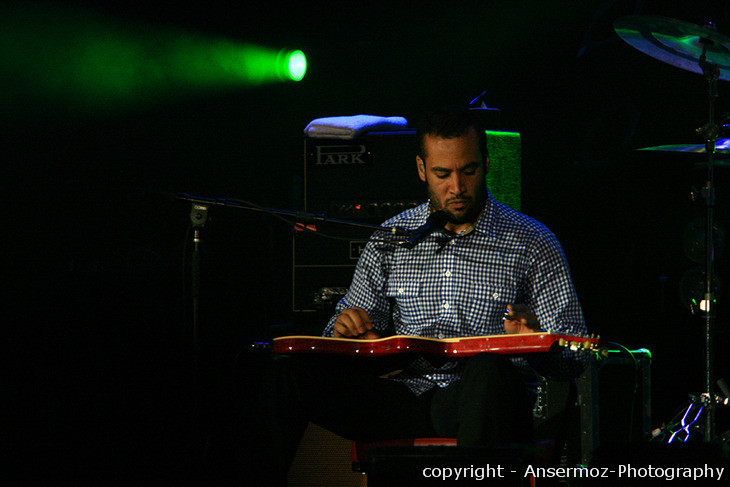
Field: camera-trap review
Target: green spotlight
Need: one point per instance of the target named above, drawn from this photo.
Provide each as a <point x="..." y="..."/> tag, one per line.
<point x="297" y="62"/>
<point x="291" y="65"/>
<point x="88" y="61"/>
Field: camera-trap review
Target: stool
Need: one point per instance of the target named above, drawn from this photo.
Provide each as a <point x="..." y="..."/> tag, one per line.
<point x="431" y="461"/>
<point x="360" y="449"/>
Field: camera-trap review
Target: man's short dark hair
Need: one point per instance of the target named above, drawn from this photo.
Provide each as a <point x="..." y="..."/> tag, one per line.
<point x="447" y="122"/>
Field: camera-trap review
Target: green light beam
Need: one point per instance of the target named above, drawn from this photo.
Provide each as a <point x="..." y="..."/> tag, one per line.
<point x="87" y="61"/>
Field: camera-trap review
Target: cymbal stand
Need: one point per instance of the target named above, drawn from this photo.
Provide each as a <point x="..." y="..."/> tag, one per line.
<point x="711" y="132"/>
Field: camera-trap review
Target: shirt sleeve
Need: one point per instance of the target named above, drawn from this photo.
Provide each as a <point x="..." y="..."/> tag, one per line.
<point x="552" y="296"/>
<point x="367" y="290"/>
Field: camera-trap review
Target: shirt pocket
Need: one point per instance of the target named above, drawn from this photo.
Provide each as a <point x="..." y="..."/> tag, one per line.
<point x="487" y="304"/>
<point x="409" y="306"/>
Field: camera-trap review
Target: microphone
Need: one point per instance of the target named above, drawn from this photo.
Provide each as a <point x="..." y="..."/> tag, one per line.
<point x="435" y="221"/>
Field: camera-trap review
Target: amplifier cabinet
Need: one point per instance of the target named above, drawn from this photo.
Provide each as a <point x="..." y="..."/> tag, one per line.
<point x="614" y="396"/>
<point x="370" y="178"/>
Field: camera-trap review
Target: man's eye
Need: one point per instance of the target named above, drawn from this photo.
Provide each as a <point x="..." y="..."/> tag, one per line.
<point x="470" y="172"/>
<point x="442" y="176"/>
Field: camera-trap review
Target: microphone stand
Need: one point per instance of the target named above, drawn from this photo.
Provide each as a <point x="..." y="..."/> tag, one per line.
<point x="199" y="216"/>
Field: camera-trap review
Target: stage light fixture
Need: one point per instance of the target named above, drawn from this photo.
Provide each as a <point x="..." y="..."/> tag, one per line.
<point x="297" y="65"/>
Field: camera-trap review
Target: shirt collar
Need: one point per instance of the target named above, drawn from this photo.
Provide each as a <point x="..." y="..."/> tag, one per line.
<point x="484" y="223"/>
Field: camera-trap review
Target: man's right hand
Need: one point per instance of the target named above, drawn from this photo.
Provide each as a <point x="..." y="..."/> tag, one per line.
<point x="354" y="323"/>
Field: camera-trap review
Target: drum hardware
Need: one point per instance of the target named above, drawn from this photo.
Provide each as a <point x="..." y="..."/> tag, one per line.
<point x="702" y="50"/>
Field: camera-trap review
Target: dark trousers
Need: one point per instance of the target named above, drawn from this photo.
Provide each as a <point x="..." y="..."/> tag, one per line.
<point x="488" y="406"/>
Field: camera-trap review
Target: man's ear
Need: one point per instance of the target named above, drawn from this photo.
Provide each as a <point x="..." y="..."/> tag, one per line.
<point x="486" y="166"/>
<point x="421" y="168"/>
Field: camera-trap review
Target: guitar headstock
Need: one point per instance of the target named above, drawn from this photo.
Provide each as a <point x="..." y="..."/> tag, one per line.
<point x="592" y="343"/>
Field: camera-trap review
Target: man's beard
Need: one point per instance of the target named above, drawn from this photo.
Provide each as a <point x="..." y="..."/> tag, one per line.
<point x="475" y="205"/>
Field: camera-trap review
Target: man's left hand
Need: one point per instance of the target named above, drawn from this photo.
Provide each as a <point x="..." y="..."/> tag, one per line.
<point x="520" y="319"/>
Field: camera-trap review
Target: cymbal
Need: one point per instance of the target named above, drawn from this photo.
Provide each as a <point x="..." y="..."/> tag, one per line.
<point x="722" y="146"/>
<point x="675" y="42"/>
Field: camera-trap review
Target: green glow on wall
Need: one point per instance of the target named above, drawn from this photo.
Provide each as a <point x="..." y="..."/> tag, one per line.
<point x="504" y="178"/>
<point x="88" y="61"/>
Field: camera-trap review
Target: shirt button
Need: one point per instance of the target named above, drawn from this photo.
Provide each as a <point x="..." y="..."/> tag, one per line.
<point x="447" y="273"/>
<point x="400" y="290"/>
<point x="446" y="305"/>
<point x="495" y="295"/>
<point x="441" y="336"/>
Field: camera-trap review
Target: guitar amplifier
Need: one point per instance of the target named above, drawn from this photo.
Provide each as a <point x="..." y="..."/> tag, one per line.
<point x="370" y="178"/>
<point x="614" y="397"/>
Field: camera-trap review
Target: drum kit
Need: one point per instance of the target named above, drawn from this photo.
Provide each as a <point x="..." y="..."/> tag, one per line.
<point x="705" y="51"/>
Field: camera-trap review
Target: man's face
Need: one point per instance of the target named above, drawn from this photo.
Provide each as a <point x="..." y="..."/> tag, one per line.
<point x="454" y="172"/>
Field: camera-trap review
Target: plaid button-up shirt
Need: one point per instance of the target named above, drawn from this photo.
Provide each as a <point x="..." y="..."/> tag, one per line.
<point x="455" y="286"/>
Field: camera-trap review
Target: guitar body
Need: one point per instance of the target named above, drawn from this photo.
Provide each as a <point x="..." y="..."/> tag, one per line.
<point x="448" y="347"/>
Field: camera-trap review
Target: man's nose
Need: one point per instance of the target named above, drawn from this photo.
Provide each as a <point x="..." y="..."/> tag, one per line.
<point x="458" y="183"/>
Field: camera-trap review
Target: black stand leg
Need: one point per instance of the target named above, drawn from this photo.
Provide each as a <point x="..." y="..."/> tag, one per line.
<point x="711" y="132"/>
<point x="198" y="217"/>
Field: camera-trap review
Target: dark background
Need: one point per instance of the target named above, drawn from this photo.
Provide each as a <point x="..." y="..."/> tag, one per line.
<point x="96" y="269"/>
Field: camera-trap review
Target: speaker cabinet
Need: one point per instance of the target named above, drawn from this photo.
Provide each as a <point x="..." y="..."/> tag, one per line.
<point x="614" y="396"/>
<point x="323" y="458"/>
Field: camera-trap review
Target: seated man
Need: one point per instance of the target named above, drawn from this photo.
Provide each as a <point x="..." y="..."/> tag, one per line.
<point x="489" y="270"/>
